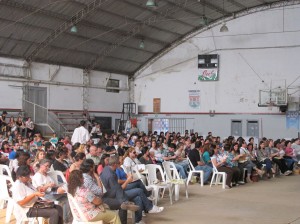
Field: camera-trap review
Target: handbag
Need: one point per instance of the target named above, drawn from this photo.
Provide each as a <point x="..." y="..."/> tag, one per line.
<point x="43" y="204"/>
<point x="40" y="204"/>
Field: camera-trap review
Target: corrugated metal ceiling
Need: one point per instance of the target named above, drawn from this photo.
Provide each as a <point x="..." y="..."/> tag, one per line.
<point x="109" y="34"/>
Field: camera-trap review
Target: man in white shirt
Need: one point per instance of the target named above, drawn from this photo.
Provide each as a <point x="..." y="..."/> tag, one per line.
<point x="80" y="134"/>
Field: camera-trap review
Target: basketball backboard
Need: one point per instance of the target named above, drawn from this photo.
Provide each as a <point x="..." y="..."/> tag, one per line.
<point x="276" y="95"/>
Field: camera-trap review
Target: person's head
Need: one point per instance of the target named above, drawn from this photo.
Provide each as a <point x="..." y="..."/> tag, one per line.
<point x="79" y="157"/>
<point x="40" y="155"/>
<point x="5" y="145"/>
<point x="99" y="149"/>
<point x="198" y="145"/>
<point x="131" y="153"/>
<point x="16" y="146"/>
<point x="271" y="143"/>
<point x="93" y="150"/>
<point x="82" y="123"/>
<point x="180" y="146"/>
<point x="75" y="180"/>
<point x="145" y="151"/>
<point x="87" y="166"/>
<point x="153" y="144"/>
<point x="261" y="145"/>
<point x="235" y="147"/>
<point x="111" y="142"/>
<point x="278" y="145"/>
<point x="250" y="146"/>
<point x="62" y="153"/>
<point x="23" y="174"/>
<point x="50" y="155"/>
<point x="251" y="140"/>
<point x="113" y="162"/>
<point x="24" y="159"/>
<point x="227" y="148"/>
<point x="104" y="160"/>
<point x="44" y="165"/>
<point x="287" y="144"/>
<point x="138" y="143"/>
<point x="172" y="147"/>
<point x="4" y="113"/>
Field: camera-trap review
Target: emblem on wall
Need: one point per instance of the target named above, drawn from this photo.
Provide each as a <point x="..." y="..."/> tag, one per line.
<point x="194" y="99"/>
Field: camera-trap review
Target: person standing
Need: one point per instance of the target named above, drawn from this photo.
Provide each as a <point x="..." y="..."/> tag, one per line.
<point x="80" y="134"/>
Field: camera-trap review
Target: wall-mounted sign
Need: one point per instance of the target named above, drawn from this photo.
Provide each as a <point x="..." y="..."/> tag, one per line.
<point x="292" y="119"/>
<point x="208" y="66"/>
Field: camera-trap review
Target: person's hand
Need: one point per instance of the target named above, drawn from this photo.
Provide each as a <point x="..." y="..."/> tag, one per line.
<point x="60" y="190"/>
<point x="52" y="185"/>
<point x="129" y="178"/>
<point x="39" y="194"/>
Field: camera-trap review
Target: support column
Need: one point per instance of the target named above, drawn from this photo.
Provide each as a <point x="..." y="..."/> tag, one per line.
<point x="85" y="91"/>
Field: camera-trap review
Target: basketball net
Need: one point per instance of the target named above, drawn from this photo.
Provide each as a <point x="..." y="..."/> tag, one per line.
<point x="270" y="106"/>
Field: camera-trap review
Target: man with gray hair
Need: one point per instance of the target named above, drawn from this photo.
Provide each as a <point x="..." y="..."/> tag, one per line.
<point x="137" y="195"/>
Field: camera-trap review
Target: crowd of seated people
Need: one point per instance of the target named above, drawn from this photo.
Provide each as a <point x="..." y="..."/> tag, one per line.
<point x="109" y="175"/>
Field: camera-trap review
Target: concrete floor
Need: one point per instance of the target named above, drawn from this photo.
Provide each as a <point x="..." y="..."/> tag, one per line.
<point x="274" y="201"/>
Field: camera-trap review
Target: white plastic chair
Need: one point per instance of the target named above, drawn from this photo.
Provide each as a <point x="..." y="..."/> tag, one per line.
<point x="78" y="216"/>
<point x="175" y="179"/>
<point x="2" y="169"/>
<point x="4" y="196"/>
<point x="216" y="177"/>
<point x="193" y="171"/>
<point x="54" y="176"/>
<point x="23" y="217"/>
<point x="5" y="168"/>
<point x="51" y="168"/>
<point x="157" y="184"/>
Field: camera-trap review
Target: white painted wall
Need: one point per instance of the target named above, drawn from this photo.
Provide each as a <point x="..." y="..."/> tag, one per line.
<point x="260" y="46"/>
<point x="65" y="95"/>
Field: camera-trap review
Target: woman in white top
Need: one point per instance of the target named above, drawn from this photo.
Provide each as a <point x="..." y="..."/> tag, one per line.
<point x="132" y="164"/>
<point x="26" y="195"/>
<point x="43" y="182"/>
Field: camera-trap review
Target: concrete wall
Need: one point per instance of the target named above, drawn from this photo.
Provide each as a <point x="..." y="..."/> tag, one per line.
<point x="259" y="49"/>
<point x="64" y="91"/>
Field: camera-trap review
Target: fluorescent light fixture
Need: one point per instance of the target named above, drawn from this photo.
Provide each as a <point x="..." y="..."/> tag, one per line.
<point x="224" y="28"/>
<point x="151" y="3"/>
<point x="73" y="29"/>
<point x="142" y="44"/>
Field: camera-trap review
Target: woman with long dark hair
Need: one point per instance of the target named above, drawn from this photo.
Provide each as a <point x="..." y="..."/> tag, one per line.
<point x="91" y="205"/>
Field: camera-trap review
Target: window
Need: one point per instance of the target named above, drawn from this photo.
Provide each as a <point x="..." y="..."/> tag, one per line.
<point x="252" y="128"/>
<point x="113" y="83"/>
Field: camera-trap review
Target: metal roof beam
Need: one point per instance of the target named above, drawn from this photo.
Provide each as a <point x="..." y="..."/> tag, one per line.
<point x="157" y="13"/>
<point x="68" y="50"/>
<point x="237" y="4"/>
<point x="134" y="21"/>
<point x="135" y="30"/>
<point x="81" y="14"/>
<point x="83" y="22"/>
<point x="79" y="36"/>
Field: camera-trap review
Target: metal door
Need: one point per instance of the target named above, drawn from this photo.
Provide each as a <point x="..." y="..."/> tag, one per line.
<point x="36" y="103"/>
<point x="236" y="128"/>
